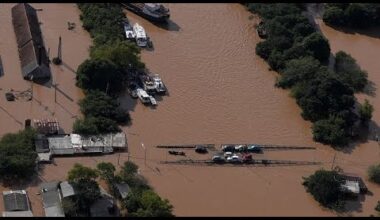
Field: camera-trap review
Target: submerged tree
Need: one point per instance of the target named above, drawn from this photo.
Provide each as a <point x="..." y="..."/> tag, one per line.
<point x="325" y="187"/>
<point x="374" y="173"/>
<point x="18" y="155"/>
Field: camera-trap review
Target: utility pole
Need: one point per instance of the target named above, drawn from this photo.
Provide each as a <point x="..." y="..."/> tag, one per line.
<point x="332" y="165"/>
<point x="142" y="145"/>
<point x="59" y="49"/>
<point x="118" y="159"/>
<point x="31" y="86"/>
<point x="55" y="92"/>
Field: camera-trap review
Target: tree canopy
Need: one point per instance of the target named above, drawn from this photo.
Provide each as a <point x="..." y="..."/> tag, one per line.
<point x="350" y="72"/>
<point x="365" y="111"/>
<point x="325" y="187"/>
<point x="99" y="104"/>
<point x="95" y="126"/>
<point x="300" y="55"/>
<point x="81" y="172"/>
<point x="100" y="74"/>
<point x="374" y="173"/>
<point x="355" y="15"/>
<point x="18" y="155"/>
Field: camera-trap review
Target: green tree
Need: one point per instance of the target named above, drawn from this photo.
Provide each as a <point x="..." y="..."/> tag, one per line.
<point x="18" y="155"/>
<point x="374" y="173"/>
<point x="95" y="125"/>
<point x="153" y="206"/>
<point x="377" y="208"/>
<point x="79" y="172"/>
<point x="100" y="74"/>
<point x="85" y="127"/>
<point x="357" y="15"/>
<point x="298" y="70"/>
<point x="325" y="187"/>
<point x="87" y="192"/>
<point x="106" y="170"/>
<point x="129" y="168"/>
<point x="349" y="71"/>
<point x="99" y="104"/>
<point x="334" y="16"/>
<point x="70" y="207"/>
<point x="330" y="131"/>
<point x="318" y="45"/>
<point x="264" y="49"/>
<point x="122" y="53"/>
<point x="365" y="111"/>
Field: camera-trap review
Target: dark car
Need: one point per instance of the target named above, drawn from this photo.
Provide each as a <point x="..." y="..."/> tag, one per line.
<point x="200" y="149"/>
<point x="228" y="148"/>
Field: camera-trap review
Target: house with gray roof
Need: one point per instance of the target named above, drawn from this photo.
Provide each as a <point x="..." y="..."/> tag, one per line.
<point x="16" y="204"/>
<point x="32" y="52"/>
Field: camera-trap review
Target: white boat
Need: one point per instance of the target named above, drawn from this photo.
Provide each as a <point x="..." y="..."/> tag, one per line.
<point x="160" y="86"/>
<point x="152" y="100"/>
<point x="143" y="96"/>
<point x="141" y="38"/>
<point x="129" y="32"/>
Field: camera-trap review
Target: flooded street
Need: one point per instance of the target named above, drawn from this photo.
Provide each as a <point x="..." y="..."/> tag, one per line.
<point x="220" y="91"/>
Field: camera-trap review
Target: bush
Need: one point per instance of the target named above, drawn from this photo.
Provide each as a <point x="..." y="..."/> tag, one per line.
<point x="374" y="173"/>
<point x="377" y="208"/>
<point x="325" y="187"/>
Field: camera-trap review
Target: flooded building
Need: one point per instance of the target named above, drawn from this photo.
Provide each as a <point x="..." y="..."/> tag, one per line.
<point x="51" y="198"/>
<point x="71" y="144"/>
<point x="32" y="52"/>
<point x="16" y="204"/>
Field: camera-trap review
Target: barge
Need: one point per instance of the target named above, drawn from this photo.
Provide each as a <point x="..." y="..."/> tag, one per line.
<point x="154" y="12"/>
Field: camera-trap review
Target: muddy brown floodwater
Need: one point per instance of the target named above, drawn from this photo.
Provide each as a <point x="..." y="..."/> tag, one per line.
<point x="219" y="92"/>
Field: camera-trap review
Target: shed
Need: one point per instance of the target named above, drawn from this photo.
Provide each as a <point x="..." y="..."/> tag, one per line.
<point x="32" y="52"/>
<point x="66" y="189"/>
<point x="42" y="144"/>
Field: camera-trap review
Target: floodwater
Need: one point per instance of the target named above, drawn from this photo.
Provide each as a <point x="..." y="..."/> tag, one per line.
<point x="219" y="92"/>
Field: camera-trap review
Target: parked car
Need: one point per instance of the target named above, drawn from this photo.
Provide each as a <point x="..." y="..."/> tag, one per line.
<point x="217" y="158"/>
<point x="240" y="148"/>
<point x="247" y="157"/>
<point x="227" y="154"/>
<point x="228" y="148"/>
<point x="254" y="149"/>
<point x="200" y="149"/>
<point x="234" y="159"/>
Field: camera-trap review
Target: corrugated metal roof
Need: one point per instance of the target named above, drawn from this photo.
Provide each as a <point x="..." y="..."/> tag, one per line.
<point x="29" y="41"/>
<point x="66" y="189"/>
<point x="16" y="200"/>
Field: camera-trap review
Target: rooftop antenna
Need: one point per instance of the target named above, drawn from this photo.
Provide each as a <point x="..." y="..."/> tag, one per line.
<point x="58" y="60"/>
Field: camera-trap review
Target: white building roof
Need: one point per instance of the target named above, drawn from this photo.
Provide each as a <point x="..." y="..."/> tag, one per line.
<point x="352" y="186"/>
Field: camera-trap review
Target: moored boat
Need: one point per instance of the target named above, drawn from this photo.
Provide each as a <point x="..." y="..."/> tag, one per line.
<point x="154" y="12"/>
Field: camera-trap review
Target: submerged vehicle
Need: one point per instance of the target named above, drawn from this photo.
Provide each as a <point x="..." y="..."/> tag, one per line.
<point x="154" y="12"/>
